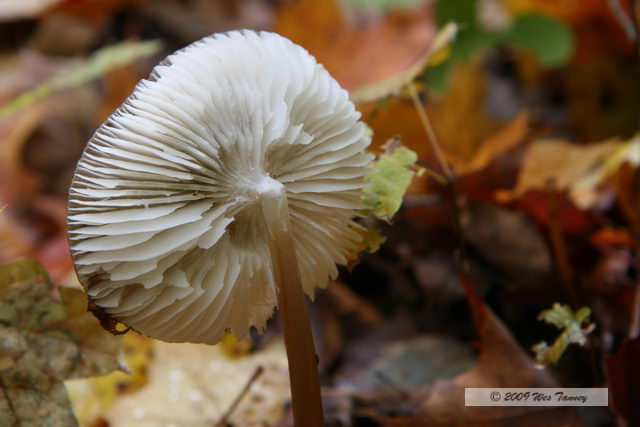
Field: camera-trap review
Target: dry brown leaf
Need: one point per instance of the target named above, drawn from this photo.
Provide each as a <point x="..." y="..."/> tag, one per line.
<point x="580" y="169"/>
<point x="358" y="56"/>
<point x="497" y="144"/>
<point x="43" y="342"/>
<point x="194" y="384"/>
<point x="502" y="363"/>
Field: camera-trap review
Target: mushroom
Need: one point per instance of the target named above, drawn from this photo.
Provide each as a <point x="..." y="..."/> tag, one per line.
<point x="225" y="184"/>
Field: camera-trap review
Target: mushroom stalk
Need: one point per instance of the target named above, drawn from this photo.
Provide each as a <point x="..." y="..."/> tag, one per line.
<point x="301" y="355"/>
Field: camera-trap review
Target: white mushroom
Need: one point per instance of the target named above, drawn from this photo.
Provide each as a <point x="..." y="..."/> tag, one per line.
<point x="169" y="220"/>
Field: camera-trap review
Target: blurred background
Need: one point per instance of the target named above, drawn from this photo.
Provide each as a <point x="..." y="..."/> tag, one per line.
<point x="536" y="106"/>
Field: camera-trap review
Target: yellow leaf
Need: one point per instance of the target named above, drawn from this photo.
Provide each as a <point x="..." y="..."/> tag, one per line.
<point x="90" y="398"/>
<point x="390" y="176"/>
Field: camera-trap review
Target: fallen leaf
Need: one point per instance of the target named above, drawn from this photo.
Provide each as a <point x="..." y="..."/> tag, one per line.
<point x="358" y="55"/>
<point x="92" y="397"/>
<point x="416" y="363"/>
<point x="502" y="363"/>
<point x="496" y="145"/>
<point x="508" y="241"/>
<point x="43" y="342"/>
<point x="572" y="220"/>
<point x="435" y="54"/>
<point x="195" y="384"/>
<point x="580" y="169"/>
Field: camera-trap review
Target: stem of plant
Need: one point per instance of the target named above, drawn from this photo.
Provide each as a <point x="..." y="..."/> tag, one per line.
<point x="431" y="135"/>
<point x="301" y="354"/>
<point x="448" y="181"/>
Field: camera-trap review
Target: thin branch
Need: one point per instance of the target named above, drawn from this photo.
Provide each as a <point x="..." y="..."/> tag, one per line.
<point x="449" y="182"/>
<point x="431" y="135"/>
<point x="224" y="420"/>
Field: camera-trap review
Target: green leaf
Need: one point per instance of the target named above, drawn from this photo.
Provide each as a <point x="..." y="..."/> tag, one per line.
<point x="390" y="176"/>
<point x="462" y="12"/>
<point x="471" y="40"/>
<point x="44" y="341"/>
<point x="549" y="39"/>
<point x="102" y="61"/>
<point x="574" y="332"/>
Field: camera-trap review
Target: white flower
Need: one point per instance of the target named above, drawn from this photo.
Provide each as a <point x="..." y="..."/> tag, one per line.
<point x="166" y="231"/>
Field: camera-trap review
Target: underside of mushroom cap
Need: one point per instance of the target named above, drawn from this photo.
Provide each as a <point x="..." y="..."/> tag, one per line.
<point x="165" y="225"/>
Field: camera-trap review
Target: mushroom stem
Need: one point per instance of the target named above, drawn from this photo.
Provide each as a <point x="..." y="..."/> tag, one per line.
<point x="301" y="354"/>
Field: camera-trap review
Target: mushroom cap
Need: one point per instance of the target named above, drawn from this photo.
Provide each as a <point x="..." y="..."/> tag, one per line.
<point x="165" y="226"/>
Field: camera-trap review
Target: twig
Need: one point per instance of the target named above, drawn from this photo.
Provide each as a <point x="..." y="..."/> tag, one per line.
<point x="431" y="135"/>
<point x="559" y="246"/>
<point x="449" y="182"/>
<point x="223" y="421"/>
<point x="567" y="277"/>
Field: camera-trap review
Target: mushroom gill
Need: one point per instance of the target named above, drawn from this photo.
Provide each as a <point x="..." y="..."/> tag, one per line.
<point x="165" y="224"/>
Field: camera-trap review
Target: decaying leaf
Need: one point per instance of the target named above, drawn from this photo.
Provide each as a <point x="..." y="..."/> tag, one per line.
<point x="194" y="384"/>
<point x="102" y="61"/>
<point x="435" y="54"/>
<point x="415" y="363"/>
<point x="576" y="168"/>
<point x="502" y="363"/>
<point x="390" y="176"/>
<point x="507" y="138"/>
<point x="575" y="327"/>
<point x="358" y="55"/>
<point x="93" y="396"/>
<point x="42" y="342"/>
